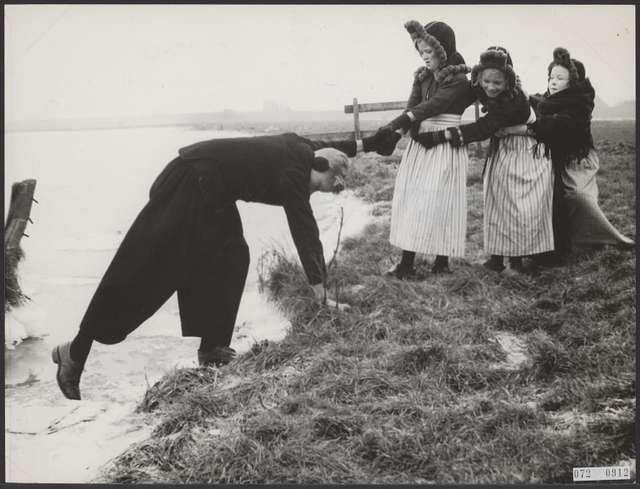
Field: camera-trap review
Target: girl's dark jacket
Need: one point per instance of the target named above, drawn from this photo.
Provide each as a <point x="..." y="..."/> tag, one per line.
<point x="508" y="109"/>
<point x="448" y="92"/>
<point x="563" y="122"/>
<point x="272" y="170"/>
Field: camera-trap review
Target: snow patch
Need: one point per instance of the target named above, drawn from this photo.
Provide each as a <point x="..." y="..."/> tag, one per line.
<point x="515" y="349"/>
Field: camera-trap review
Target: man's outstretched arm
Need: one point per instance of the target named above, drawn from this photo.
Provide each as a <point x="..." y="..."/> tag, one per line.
<point x="382" y="142"/>
<point x="306" y="237"/>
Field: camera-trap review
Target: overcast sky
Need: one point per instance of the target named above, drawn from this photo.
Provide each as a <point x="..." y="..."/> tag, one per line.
<point x="65" y="61"/>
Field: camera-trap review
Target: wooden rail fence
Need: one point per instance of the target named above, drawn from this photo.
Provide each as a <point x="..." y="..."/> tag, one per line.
<point x="356" y="109"/>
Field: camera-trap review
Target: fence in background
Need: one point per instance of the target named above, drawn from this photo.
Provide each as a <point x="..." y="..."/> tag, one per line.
<point x="356" y="109"/>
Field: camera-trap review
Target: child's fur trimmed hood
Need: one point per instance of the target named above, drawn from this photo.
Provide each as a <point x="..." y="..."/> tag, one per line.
<point x="561" y="57"/>
<point x="418" y="32"/>
<point x="498" y="58"/>
<point x="444" y="75"/>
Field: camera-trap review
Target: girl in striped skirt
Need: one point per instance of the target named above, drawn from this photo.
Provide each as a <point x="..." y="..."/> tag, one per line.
<point x="429" y="202"/>
<point x="518" y="182"/>
<point x="563" y="124"/>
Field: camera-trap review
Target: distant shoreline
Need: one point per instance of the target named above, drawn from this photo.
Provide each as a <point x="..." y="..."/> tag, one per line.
<point x="256" y="126"/>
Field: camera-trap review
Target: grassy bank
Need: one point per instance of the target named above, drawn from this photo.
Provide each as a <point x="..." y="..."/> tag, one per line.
<point x="472" y="377"/>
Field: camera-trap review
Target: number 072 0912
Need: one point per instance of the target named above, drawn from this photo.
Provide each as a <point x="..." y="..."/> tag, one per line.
<point x="621" y="472"/>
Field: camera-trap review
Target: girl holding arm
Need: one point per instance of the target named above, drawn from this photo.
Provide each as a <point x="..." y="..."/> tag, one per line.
<point x="563" y="124"/>
<point x="517" y="183"/>
<point x="429" y="201"/>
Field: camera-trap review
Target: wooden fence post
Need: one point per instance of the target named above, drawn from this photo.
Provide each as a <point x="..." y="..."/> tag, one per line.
<point x="356" y="109"/>
<point x="19" y="212"/>
<point x="17" y="218"/>
<point x="356" y="118"/>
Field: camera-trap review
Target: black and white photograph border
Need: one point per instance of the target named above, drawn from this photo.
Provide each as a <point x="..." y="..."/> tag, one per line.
<point x="319" y="244"/>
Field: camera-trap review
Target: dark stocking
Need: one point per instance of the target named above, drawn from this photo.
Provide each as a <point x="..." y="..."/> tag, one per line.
<point x="80" y="347"/>
<point x="441" y="264"/>
<point x="407" y="259"/>
<point x="515" y="262"/>
<point x="495" y="263"/>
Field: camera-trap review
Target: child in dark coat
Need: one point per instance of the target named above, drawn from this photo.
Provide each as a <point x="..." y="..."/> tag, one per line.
<point x="563" y="124"/>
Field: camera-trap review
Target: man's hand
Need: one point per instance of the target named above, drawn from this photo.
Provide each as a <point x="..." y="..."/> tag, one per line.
<point x="382" y="142"/>
<point x="320" y="293"/>
<point x="387" y="144"/>
<point x="401" y="122"/>
<point x="321" y="296"/>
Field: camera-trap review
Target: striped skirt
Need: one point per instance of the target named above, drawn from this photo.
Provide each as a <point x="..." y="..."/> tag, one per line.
<point x="429" y="210"/>
<point x="518" y="199"/>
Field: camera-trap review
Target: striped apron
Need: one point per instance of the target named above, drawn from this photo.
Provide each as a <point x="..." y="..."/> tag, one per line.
<point x="429" y="210"/>
<point x="518" y="198"/>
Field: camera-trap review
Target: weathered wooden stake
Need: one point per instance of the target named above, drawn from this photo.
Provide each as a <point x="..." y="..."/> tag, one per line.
<point x="356" y="118"/>
<point x="17" y="218"/>
<point x="19" y="212"/>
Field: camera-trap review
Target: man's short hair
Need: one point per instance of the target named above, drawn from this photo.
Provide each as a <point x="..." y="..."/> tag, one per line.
<point x="337" y="160"/>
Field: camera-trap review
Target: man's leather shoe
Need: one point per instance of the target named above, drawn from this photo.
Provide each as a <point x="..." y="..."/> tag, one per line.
<point x="69" y="371"/>
<point x="217" y="356"/>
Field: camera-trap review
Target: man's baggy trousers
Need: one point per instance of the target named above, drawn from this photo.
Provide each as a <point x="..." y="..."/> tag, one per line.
<point x="183" y="240"/>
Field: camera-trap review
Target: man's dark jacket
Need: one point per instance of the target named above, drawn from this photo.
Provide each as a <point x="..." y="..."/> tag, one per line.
<point x="271" y="170"/>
